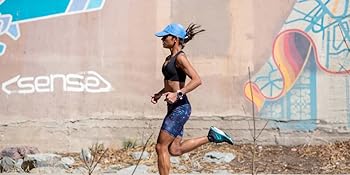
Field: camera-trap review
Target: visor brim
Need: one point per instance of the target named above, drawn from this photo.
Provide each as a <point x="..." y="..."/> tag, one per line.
<point x="161" y="34"/>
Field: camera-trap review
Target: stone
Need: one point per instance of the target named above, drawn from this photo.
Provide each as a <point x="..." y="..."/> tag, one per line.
<point x="16" y="153"/>
<point x="48" y="170"/>
<point x="113" y="169"/>
<point x="43" y="160"/>
<point x="218" y="157"/>
<point x="19" y="163"/>
<point x="141" y="170"/>
<point x="66" y="163"/>
<point x="175" y="160"/>
<point x="137" y="155"/>
<point x="7" y="164"/>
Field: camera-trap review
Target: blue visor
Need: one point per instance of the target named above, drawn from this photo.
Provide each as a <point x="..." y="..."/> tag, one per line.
<point x="162" y="33"/>
<point x="173" y="29"/>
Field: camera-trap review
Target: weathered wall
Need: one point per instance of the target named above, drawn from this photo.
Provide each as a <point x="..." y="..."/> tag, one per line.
<point x="78" y="72"/>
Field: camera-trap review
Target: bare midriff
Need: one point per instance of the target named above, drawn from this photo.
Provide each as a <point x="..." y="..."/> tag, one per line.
<point x="173" y="86"/>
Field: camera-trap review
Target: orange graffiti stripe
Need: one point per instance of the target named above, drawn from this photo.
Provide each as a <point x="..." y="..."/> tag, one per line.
<point x="258" y="98"/>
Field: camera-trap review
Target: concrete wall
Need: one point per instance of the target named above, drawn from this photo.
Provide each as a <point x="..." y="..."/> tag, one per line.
<point x="78" y="72"/>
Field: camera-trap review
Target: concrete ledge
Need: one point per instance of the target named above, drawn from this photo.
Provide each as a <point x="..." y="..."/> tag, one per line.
<point x="112" y="131"/>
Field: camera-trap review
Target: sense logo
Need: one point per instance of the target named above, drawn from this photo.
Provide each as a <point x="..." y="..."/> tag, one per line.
<point x="89" y="81"/>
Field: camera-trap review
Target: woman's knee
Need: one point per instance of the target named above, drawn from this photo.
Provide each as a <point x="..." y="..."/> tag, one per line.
<point x="161" y="147"/>
<point x="175" y="151"/>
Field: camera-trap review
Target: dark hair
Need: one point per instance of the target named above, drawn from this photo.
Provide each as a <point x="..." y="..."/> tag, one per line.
<point x="191" y="31"/>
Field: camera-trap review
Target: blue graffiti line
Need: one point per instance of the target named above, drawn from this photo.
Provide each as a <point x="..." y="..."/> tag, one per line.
<point x="317" y="21"/>
<point x="14" y="12"/>
<point x="95" y="4"/>
<point x="2" y="48"/>
<point x="340" y="44"/>
<point x="5" y="21"/>
<point x="341" y="24"/>
<point x="336" y="49"/>
<point x="270" y="83"/>
<point x="273" y="110"/>
<point x="298" y="105"/>
<point x="308" y="17"/>
<point x="317" y="24"/>
<point x="339" y="52"/>
<point x="77" y="5"/>
<point x="320" y="15"/>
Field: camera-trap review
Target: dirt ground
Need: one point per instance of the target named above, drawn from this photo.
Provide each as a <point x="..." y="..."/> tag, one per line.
<point x="332" y="158"/>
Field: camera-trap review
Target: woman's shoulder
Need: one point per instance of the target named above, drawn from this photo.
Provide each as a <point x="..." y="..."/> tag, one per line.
<point x="180" y="53"/>
<point x="180" y="57"/>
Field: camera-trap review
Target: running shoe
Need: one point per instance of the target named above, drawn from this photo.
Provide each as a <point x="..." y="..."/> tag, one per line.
<point x="217" y="136"/>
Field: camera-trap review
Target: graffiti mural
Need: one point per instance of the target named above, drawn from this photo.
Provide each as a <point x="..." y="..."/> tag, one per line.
<point x="12" y="13"/>
<point x="314" y="39"/>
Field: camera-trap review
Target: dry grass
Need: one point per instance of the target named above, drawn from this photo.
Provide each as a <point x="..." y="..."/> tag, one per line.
<point x="333" y="158"/>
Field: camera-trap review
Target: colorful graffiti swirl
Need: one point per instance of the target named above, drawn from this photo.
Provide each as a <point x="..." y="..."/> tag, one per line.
<point x="12" y="13"/>
<point x="316" y="34"/>
<point x="291" y="51"/>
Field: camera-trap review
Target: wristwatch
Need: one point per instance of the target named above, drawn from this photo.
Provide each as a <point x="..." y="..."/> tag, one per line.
<point x="180" y="94"/>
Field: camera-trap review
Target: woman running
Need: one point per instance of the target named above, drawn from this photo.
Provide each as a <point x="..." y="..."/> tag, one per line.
<point x="175" y="69"/>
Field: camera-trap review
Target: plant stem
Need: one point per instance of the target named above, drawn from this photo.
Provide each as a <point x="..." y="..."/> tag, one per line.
<point x="254" y="124"/>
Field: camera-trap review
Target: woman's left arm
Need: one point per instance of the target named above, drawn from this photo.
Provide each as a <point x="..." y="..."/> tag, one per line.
<point x="186" y="66"/>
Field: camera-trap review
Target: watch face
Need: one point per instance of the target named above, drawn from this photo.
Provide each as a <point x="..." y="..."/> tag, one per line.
<point x="180" y="95"/>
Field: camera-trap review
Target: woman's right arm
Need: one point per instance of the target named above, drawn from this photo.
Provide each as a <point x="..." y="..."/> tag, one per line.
<point x="161" y="92"/>
<point x="157" y="96"/>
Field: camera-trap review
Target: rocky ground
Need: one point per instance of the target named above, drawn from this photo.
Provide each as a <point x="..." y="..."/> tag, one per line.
<point x="333" y="158"/>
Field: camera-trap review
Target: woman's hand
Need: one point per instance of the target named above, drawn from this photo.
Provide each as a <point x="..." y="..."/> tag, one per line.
<point x="155" y="98"/>
<point x="170" y="97"/>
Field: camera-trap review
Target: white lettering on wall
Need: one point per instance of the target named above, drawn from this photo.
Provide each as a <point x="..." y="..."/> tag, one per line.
<point x="89" y="81"/>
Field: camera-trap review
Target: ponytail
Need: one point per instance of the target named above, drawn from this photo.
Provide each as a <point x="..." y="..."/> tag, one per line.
<point x="191" y="31"/>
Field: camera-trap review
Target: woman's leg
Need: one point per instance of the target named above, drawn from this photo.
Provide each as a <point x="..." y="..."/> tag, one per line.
<point x="179" y="147"/>
<point x="163" y="142"/>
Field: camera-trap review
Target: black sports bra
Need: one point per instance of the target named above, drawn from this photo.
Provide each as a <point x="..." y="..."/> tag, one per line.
<point x="171" y="72"/>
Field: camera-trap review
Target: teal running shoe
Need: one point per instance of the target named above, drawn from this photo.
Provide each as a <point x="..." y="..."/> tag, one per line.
<point x="217" y="136"/>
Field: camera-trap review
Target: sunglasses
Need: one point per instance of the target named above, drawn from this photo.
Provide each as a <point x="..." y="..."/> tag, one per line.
<point x="166" y="36"/>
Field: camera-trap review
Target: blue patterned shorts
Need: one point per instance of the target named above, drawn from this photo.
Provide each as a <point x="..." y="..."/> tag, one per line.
<point x="178" y="114"/>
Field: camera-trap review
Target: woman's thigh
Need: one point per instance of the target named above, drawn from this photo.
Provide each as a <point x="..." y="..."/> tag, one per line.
<point x="164" y="138"/>
<point x="175" y="120"/>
